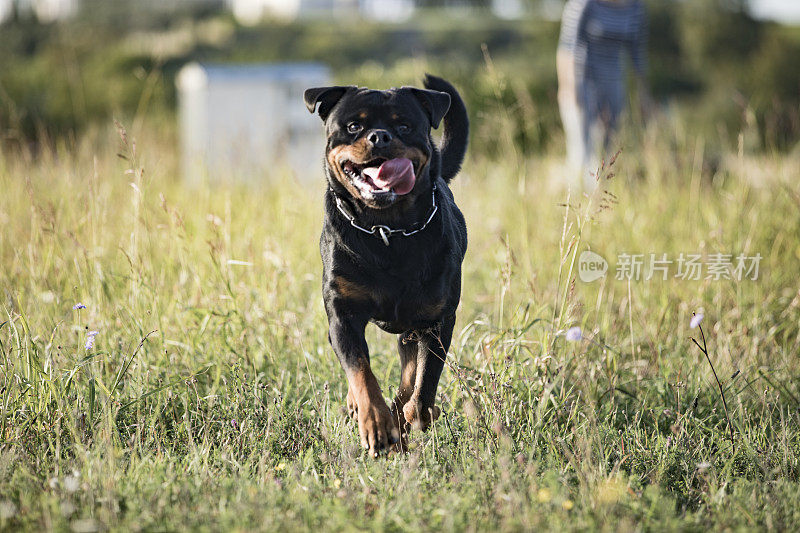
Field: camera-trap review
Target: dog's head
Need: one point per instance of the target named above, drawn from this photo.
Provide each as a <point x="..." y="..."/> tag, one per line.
<point x="379" y="145"/>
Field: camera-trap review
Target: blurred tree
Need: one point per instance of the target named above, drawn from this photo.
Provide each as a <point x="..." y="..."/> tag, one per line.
<point x="715" y="32"/>
<point x="668" y="71"/>
<point x="710" y="56"/>
<point x="125" y="15"/>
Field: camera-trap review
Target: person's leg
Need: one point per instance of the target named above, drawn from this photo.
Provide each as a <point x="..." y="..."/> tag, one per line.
<point x="607" y="104"/>
<point x="569" y="109"/>
<point x="571" y="120"/>
<point x="592" y="132"/>
<point x="614" y="101"/>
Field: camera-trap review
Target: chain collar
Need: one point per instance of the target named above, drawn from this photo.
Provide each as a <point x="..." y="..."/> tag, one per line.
<point x="381" y="231"/>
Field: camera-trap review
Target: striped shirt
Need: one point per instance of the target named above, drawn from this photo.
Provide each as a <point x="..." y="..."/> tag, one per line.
<point x="597" y="31"/>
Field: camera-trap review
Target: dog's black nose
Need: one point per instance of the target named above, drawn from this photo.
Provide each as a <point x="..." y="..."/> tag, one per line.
<point x="379" y="138"/>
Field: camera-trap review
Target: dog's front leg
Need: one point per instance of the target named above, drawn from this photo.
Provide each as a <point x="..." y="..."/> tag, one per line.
<point x="376" y="426"/>
<point x="420" y="411"/>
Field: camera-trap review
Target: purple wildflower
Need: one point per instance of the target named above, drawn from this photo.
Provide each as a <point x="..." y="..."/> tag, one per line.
<point x="90" y="339"/>
<point x="574" y="334"/>
<point x="78" y="306"/>
<point x="695" y="321"/>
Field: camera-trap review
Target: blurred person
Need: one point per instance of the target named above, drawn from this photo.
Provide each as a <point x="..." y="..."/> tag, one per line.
<point x="591" y="78"/>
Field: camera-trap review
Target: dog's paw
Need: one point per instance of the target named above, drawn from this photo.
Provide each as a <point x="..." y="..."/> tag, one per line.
<point x="376" y="427"/>
<point x="399" y="420"/>
<point x="418" y="416"/>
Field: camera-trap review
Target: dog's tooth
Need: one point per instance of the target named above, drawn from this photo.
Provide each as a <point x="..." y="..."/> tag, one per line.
<point x="372" y="172"/>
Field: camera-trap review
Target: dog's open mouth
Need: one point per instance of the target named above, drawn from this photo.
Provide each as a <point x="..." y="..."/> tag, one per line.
<point x="381" y="175"/>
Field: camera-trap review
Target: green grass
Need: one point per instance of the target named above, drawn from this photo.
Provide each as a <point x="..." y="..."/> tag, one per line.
<point x="211" y="399"/>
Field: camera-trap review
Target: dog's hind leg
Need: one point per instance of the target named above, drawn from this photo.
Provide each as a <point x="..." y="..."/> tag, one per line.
<point x="420" y="411"/>
<point x="408" y="348"/>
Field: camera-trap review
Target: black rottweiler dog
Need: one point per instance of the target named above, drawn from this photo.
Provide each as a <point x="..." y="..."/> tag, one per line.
<point x="392" y="243"/>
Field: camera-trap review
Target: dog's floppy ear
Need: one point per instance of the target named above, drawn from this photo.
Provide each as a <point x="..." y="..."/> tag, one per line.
<point x="434" y="103"/>
<point x="326" y="97"/>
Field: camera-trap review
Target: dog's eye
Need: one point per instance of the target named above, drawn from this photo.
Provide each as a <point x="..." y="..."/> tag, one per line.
<point x="403" y="128"/>
<point x="354" y="127"/>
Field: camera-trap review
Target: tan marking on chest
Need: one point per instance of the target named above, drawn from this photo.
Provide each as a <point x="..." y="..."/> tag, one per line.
<point x="350" y="290"/>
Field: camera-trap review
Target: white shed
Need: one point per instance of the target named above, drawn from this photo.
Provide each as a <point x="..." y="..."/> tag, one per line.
<point x="246" y="122"/>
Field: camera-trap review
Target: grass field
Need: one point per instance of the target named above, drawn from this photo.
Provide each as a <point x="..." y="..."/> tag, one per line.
<point x="210" y="398"/>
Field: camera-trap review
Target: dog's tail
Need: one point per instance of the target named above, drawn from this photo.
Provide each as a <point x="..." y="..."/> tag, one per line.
<point x="456" y="128"/>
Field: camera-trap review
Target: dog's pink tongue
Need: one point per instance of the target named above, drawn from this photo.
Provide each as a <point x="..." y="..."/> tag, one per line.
<point x="396" y="174"/>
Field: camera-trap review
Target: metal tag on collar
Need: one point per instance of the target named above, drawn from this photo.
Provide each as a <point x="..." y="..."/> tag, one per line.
<point x="384" y="233"/>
